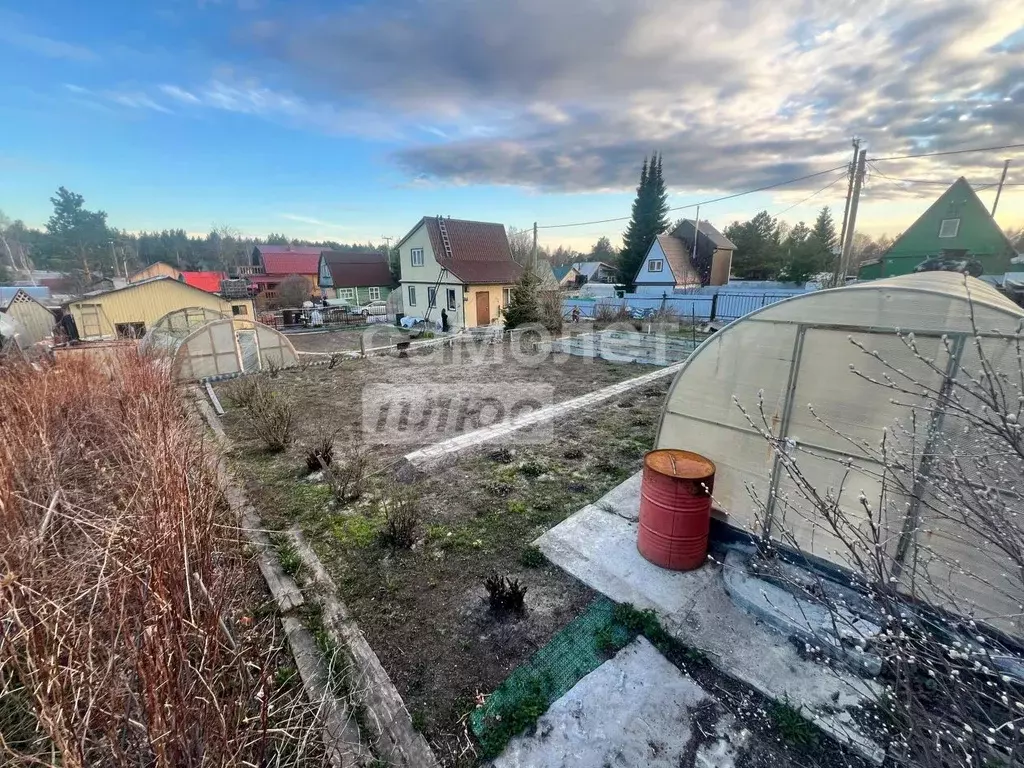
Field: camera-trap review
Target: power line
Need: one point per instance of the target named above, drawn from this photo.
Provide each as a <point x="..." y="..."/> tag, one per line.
<point x="702" y="202"/>
<point x="812" y="195"/>
<point x="948" y="152"/>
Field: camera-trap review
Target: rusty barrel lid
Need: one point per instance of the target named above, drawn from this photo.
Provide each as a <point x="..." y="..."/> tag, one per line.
<point x="685" y="465"/>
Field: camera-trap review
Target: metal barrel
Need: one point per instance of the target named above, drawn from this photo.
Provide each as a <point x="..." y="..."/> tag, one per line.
<point x="675" y="508"/>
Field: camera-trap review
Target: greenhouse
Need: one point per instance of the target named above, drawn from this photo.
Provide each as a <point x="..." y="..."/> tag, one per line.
<point x="878" y="415"/>
<point x="202" y="343"/>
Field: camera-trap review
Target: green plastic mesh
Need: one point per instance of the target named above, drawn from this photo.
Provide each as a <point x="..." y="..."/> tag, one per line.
<point x="578" y="649"/>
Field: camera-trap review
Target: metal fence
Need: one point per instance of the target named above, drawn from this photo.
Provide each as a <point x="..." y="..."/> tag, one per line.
<point x="723" y="306"/>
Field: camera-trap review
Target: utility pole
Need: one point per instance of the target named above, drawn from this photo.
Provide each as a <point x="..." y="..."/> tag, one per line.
<point x="999" y="189"/>
<point x="846" y="210"/>
<point x="696" y="234"/>
<point x="533" y="257"/>
<point x="387" y="241"/>
<point x="858" y="180"/>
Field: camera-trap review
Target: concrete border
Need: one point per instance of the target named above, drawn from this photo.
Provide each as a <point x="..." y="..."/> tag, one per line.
<point x="447" y="451"/>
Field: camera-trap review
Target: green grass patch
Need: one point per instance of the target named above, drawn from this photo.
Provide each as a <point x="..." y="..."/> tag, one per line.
<point x="794" y="729"/>
<point x="517" y="507"/>
<point x="532" y="557"/>
<point x="514" y="715"/>
<point x="288" y="556"/>
<point x="355" y="530"/>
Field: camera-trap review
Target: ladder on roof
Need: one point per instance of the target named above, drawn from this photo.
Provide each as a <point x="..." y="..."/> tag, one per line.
<point x="444" y="237"/>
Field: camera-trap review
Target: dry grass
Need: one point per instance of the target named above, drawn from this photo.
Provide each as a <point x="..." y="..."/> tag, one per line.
<point x="126" y="600"/>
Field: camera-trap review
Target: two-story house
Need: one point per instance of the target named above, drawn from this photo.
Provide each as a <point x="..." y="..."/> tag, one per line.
<point x="672" y="263"/>
<point x="463" y="267"/>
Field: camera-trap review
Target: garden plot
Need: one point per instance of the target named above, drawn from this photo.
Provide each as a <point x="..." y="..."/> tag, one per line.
<point x="348" y="339"/>
<point x="423" y="607"/>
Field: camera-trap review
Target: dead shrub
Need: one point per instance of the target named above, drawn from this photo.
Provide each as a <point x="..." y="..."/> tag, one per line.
<point x="401" y="520"/>
<point x="130" y="635"/>
<point x="320" y="455"/>
<point x="241" y="392"/>
<point x="505" y="594"/>
<point x="271" y="419"/>
<point x="346" y="477"/>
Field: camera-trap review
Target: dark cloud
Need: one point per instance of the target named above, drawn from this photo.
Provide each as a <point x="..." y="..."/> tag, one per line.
<point x="567" y="95"/>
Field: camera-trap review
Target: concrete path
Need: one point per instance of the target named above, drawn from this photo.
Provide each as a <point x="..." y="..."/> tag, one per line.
<point x="437" y="455"/>
<point x="635" y="709"/>
<point x="597" y="545"/>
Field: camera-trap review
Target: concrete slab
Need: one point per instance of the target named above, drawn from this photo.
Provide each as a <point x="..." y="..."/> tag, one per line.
<point x="635" y="709"/>
<point x="599" y="548"/>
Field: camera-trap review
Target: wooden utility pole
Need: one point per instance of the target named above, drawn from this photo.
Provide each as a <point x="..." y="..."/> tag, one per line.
<point x="846" y="211"/>
<point x="696" y="234"/>
<point x="533" y="256"/>
<point x="858" y="180"/>
<point x="999" y="189"/>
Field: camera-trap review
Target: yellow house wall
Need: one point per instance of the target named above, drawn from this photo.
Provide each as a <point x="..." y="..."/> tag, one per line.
<point x="496" y="299"/>
<point x="146" y="304"/>
<point x="155" y="270"/>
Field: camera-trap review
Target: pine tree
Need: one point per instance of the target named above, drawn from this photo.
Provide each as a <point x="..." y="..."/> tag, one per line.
<point x="649" y="219"/>
<point x="524" y="305"/>
<point x="825" y="229"/>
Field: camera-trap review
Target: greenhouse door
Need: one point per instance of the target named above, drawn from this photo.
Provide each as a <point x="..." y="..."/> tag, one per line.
<point x="250" y="350"/>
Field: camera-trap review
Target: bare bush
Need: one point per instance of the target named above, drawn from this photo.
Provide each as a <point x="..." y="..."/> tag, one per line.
<point x="321" y="453"/>
<point x="271" y="418"/>
<point x="129" y="635"/>
<point x="241" y="392"/>
<point x="936" y="560"/>
<point x="346" y="476"/>
<point x="401" y="520"/>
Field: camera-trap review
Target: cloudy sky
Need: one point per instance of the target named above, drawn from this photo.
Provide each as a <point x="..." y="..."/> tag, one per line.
<point x="351" y="120"/>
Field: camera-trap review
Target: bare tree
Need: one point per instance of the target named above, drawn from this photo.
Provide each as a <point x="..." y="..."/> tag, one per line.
<point x="520" y="242"/>
<point x="936" y="560"/>
<point x="292" y="291"/>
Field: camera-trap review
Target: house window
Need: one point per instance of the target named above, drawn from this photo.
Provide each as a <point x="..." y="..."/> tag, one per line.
<point x="239" y="309"/>
<point x="374" y="293"/>
<point x="130" y="330"/>
<point x="431" y="296"/>
<point x="451" y="298"/>
<point x="949" y="227"/>
<point x="412" y="295"/>
<point x="347" y="293"/>
<point x="417" y="257"/>
<point x="655" y="265"/>
<point x="508" y="296"/>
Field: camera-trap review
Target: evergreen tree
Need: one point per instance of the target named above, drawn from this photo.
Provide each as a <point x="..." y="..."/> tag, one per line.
<point x="825" y="230"/>
<point x="649" y="219"/>
<point x="758" y="255"/>
<point x="523" y="306"/>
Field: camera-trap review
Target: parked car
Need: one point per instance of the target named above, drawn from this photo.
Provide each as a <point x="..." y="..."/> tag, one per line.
<point x="376" y="307"/>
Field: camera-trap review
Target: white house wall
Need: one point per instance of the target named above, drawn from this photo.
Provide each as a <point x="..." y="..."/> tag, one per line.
<point x="664" y="278"/>
<point x="430" y="270"/>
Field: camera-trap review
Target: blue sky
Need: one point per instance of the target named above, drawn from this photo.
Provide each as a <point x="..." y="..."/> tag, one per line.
<point x="350" y="121"/>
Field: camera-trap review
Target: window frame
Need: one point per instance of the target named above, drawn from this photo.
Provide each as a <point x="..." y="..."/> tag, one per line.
<point x="130" y="330"/>
<point x="347" y="294"/>
<point x="240" y="310"/>
<point x="416" y="256"/>
<point x="431" y="296"/>
<point x="374" y="293"/>
<point x="659" y="268"/>
<point x="412" y="295"/>
<point x="956" y="228"/>
<point x="451" y="299"/>
<point x="507" y="296"/>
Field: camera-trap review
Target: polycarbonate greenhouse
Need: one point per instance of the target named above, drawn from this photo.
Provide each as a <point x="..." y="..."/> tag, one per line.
<point x="203" y="343"/>
<point x="828" y="403"/>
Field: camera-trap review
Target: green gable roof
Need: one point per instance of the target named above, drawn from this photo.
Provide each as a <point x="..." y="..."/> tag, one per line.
<point x="969" y="228"/>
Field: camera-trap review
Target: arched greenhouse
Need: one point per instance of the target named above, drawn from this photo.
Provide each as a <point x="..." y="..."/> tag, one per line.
<point x="201" y="343"/>
<point x="878" y="416"/>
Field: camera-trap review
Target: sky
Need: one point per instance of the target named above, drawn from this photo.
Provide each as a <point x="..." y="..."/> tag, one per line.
<point x="351" y="120"/>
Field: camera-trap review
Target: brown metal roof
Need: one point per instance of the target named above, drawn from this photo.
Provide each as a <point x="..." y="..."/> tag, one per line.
<point x="679" y="259"/>
<point x="358" y="269"/>
<point x="479" y="250"/>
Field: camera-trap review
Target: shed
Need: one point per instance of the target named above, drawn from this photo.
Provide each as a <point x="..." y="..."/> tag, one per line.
<point x="130" y="311"/>
<point x="798" y="353"/>
<point x="35" y="320"/>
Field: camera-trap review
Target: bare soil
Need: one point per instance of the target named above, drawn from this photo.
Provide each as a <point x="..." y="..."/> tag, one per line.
<point x="347" y="339"/>
<point x="424" y="609"/>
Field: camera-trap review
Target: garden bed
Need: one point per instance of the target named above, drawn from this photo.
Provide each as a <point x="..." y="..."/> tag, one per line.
<point x="424" y="609"/>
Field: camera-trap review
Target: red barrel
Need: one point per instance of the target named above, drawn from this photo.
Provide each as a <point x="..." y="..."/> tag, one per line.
<point x="675" y="508"/>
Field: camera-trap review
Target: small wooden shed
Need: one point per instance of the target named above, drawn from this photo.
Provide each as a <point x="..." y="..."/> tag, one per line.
<point x="35" y="321"/>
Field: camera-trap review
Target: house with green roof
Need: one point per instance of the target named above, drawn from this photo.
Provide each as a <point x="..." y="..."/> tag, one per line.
<point x="956" y="233"/>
